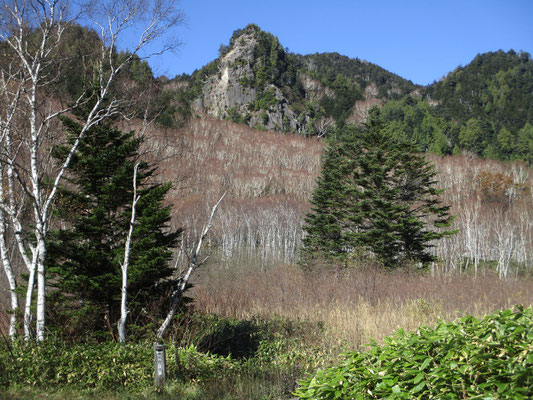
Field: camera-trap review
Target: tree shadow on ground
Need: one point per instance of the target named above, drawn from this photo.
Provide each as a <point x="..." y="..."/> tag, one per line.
<point x="238" y="338"/>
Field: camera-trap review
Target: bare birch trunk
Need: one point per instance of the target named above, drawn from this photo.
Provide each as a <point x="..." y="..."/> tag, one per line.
<point x="18" y="23"/>
<point x="127" y="249"/>
<point x="6" y="124"/>
<point x="27" y="305"/>
<point x="8" y="269"/>
<point x="41" y="292"/>
<point x="177" y="294"/>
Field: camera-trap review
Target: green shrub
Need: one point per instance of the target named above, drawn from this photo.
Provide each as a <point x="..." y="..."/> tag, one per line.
<point x="490" y="358"/>
<point x="265" y="100"/>
<point x="54" y="363"/>
<point x="210" y="357"/>
<point x="102" y="366"/>
<point x="269" y="353"/>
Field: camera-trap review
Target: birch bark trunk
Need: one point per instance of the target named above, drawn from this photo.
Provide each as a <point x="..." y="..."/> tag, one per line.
<point x="125" y="265"/>
<point x="20" y="25"/>
<point x="177" y="294"/>
<point x="8" y="269"/>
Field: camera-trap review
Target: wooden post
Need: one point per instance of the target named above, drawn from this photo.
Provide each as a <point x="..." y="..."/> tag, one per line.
<point x="160" y="360"/>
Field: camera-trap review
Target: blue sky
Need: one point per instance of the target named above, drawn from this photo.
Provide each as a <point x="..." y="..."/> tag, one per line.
<point x="420" y="40"/>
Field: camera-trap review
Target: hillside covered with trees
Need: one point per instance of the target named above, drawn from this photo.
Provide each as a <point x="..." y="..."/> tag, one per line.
<point x="259" y="217"/>
<point x="484" y="108"/>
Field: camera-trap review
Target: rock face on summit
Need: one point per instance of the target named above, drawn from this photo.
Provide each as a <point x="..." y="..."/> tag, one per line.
<point x="233" y="92"/>
<point x="224" y="90"/>
<point x="255" y="81"/>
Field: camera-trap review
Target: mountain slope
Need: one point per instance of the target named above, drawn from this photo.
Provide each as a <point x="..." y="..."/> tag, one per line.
<point x="485" y="108"/>
<point x="489" y="102"/>
<point x="495" y="85"/>
<point x="257" y="82"/>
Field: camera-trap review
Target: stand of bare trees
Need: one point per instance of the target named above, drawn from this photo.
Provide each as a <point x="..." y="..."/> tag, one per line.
<point x="270" y="175"/>
<point x="493" y="203"/>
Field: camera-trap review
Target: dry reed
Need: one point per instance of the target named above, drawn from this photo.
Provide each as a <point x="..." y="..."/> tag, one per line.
<point x="355" y="304"/>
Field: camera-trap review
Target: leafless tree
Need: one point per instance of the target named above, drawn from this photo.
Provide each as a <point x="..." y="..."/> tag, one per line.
<point x="32" y="32"/>
<point x="185" y="275"/>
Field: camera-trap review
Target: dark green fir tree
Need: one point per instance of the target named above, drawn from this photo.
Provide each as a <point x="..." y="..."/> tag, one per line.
<point x="94" y="205"/>
<point x="375" y="197"/>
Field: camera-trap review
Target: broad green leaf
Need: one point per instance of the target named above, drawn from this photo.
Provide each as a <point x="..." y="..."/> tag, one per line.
<point x="418" y="378"/>
<point x="419" y="387"/>
<point x="425" y="363"/>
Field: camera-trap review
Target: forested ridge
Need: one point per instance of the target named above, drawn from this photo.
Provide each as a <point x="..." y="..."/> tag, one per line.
<point x="484" y="108"/>
<point x="260" y="217"/>
<point x="489" y="103"/>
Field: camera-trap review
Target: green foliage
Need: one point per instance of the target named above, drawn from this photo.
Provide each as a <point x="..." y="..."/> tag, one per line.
<point x="78" y="49"/>
<point x="103" y="366"/>
<point x="265" y="100"/>
<point x="415" y="120"/>
<point x="244" y="339"/>
<point x="346" y="93"/>
<point x="490" y="358"/>
<point x="269" y="368"/>
<point x="197" y="79"/>
<point x="348" y="78"/>
<point x="171" y="107"/>
<point x="472" y="136"/>
<point x="271" y="63"/>
<point x="524" y="143"/>
<point x="490" y="100"/>
<point x="85" y="257"/>
<point x="374" y="195"/>
<point x="327" y="66"/>
<point x="495" y="85"/>
<point x="234" y="115"/>
<point x="137" y="70"/>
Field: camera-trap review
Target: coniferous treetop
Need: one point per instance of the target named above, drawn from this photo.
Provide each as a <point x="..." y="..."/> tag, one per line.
<point x="375" y="197"/>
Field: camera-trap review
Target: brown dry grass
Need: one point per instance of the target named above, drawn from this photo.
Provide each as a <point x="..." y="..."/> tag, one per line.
<point x="355" y="304"/>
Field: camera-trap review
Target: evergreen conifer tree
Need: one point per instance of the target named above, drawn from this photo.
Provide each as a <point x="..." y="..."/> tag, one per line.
<point x="95" y="208"/>
<point x="375" y="196"/>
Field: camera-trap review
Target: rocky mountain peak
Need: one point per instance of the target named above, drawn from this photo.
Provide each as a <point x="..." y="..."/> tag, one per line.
<point x="255" y="81"/>
<point x="245" y="87"/>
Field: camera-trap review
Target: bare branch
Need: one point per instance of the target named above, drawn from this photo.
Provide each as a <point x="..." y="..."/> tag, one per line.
<point x="183" y="281"/>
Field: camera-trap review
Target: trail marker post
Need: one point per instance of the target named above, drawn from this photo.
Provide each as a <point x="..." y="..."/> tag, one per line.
<point x="160" y="361"/>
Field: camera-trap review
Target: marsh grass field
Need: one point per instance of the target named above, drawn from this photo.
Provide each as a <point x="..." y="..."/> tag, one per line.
<point x="254" y="334"/>
<point x="356" y="304"/>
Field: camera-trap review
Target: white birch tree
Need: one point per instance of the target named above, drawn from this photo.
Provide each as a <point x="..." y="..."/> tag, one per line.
<point x="185" y="275"/>
<point x="32" y="32"/>
<point x="125" y="264"/>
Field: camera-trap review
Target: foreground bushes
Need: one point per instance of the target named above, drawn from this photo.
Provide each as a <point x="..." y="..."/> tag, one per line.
<point x="490" y="358"/>
<point x="104" y="366"/>
<point x="222" y="358"/>
<point x="233" y="359"/>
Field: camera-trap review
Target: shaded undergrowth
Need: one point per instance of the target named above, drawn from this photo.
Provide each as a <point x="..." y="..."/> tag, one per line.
<point x="208" y="357"/>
